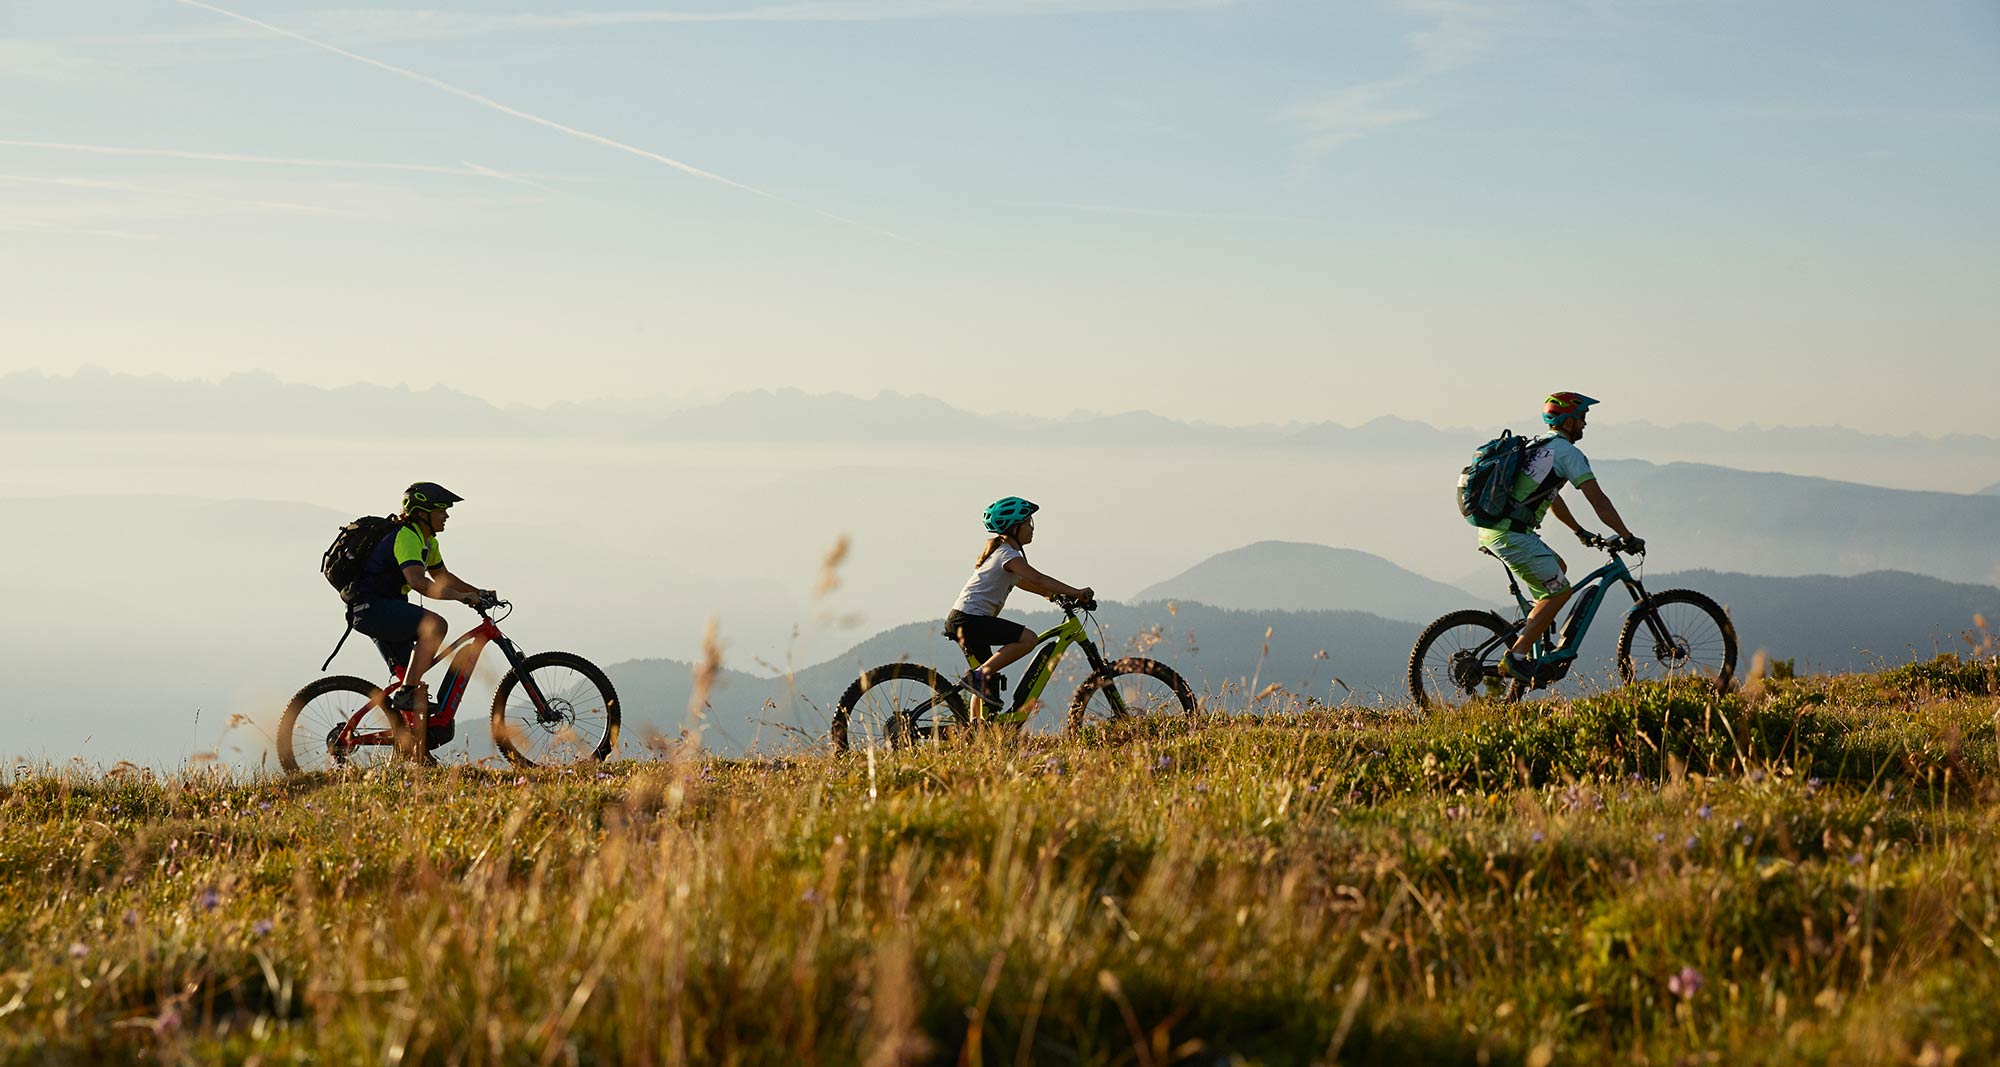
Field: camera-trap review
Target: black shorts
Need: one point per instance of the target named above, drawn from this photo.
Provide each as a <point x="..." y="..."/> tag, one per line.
<point x="392" y="624"/>
<point x="977" y="634"/>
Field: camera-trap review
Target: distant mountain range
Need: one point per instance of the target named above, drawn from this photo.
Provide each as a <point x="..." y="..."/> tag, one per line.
<point x="93" y="400"/>
<point x="1789" y="525"/>
<point x="1991" y="490"/>
<point x="1295" y="576"/>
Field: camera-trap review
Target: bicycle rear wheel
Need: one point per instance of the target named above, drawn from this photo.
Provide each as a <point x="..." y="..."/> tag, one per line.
<point x="1695" y="640"/>
<point x="897" y="705"/>
<point x="313" y="734"/>
<point x="1130" y="688"/>
<point x="1455" y="658"/>
<point x="578" y="723"/>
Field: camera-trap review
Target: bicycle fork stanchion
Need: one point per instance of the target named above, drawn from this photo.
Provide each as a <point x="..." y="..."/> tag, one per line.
<point x="544" y="713"/>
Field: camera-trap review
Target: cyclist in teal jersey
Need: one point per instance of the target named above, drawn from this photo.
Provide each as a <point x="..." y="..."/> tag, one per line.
<point x="404" y="560"/>
<point x="1552" y="463"/>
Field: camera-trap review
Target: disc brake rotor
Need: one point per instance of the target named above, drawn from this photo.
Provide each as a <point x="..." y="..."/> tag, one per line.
<point x="336" y="748"/>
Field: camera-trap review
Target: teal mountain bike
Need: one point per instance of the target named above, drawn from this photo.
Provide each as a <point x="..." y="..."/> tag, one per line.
<point x="1678" y="633"/>
<point x="903" y="704"/>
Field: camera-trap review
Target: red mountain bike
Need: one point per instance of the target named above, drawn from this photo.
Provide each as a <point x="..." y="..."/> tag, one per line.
<point x="552" y="708"/>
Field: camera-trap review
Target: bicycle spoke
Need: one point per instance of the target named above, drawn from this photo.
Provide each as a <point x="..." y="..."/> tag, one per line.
<point x="894" y="712"/>
<point x="570" y="725"/>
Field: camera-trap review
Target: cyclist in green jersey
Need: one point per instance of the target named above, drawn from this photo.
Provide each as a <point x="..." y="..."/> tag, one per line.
<point x="1543" y="472"/>
<point x="405" y="559"/>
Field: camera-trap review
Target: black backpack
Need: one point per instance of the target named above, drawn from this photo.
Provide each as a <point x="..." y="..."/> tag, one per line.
<point x="342" y="562"/>
<point x="1486" y="485"/>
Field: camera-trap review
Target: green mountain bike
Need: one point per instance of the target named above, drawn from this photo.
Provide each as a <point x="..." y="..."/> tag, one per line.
<point x="903" y="704"/>
<point x="1678" y="633"/>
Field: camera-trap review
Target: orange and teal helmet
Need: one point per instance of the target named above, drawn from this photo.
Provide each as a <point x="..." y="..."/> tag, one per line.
<point x="1008" y="512"/>
<point x="1563" y="405"/>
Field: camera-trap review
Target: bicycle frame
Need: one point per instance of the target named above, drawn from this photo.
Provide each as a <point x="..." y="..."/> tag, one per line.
<point x="459" y="658"/>
<point x="1042" y="669"/>
<point x="1558" y="650"/>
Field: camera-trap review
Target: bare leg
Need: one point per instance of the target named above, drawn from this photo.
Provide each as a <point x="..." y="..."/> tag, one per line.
<point x="1539" y="619"/>
<point x="430" y="636"/>
<point x="1006" y="654"/>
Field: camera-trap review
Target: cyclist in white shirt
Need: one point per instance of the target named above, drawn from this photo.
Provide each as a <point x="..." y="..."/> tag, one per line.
<point x="975" y="621"/>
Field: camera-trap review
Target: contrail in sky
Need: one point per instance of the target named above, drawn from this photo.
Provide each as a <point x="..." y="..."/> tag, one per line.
<point x="468" y="170"/>
<point x="488" y="102"/>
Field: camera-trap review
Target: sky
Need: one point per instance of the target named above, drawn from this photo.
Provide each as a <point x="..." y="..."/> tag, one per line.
<point x="1774" y="212"/>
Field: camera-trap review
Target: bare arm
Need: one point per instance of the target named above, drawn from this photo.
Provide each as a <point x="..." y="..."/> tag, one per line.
<point x="438" y="585"/>
<point x="1594" y="492"/>
<point x="1036" y="582"/>
<point x="1562" y="513"/>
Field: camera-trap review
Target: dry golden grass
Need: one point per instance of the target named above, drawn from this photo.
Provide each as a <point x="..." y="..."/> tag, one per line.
<point x="1648" y="876"/>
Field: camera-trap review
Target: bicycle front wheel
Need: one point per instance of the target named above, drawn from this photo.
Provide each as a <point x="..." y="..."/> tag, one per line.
<point x="897" y="705"/>
<point x="1678" y="633"/>
<point x="1130" y="688"/>
<point x="1455" y="660"/>
<point x="576" y="723"/>
<point x="313" y="734"/>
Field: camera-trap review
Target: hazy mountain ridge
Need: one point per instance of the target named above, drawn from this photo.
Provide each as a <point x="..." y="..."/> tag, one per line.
<point x="1301" y="576"/>
<point x="97" y="400"/>
<point x="1787" y="524"/>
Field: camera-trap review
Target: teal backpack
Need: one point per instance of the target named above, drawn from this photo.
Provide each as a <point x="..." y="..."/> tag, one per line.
<point x="1486" y="485"/>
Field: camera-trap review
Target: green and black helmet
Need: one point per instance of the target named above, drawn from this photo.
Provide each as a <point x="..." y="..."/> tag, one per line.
<point x="1008" y="512"/>
<point x="428" y="496"/>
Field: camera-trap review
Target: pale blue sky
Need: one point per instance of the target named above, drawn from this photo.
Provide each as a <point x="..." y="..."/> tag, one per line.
<point x="1772" y="212"/>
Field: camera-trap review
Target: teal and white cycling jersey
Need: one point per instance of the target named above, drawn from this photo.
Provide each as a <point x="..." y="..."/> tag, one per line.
<point x="1556" y="456"/>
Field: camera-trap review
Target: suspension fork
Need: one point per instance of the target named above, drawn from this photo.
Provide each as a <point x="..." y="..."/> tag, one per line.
<point x="1097" y="666"/>
<point x="519" y="662"/>
<point x="1646" y="614"/>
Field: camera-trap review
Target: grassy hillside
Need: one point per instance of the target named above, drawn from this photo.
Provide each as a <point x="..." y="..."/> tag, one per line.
<point x="1803" y="874"/>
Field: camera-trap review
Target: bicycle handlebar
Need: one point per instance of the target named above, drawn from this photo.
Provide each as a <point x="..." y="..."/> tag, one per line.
<point x="1070" y="603"/>
<point x="1617" y="545"/>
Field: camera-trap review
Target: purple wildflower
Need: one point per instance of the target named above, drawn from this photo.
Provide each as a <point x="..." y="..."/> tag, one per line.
<point x="209" y="900"/>
<point x="1660" y="837"/>
<point x="1536" y="837"/>
<point x="1685" y="984"/>
<point x="78" y="950"/>
<point x="1704" y="812"/>
<point x="1163" y="763"/>
<point x="1692" y="843"/>
<point x="261" y="927"/>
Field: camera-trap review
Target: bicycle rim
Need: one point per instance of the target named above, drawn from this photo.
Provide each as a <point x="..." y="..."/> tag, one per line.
<point x="1699" y="642"/>
<point x="1453" y="662"/>
<point x="896" y="710"/>
<point x="578" y="724"/>
<point x="317" y="734"/>
<point x="1129" y="690"/>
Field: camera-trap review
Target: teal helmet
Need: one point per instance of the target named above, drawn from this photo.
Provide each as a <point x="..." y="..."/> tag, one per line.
<point x="1008" y="512"/>
<point x="428" y="496"/>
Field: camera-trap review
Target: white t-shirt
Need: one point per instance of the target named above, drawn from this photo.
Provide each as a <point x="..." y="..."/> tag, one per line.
<point x="985" y="593"/>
